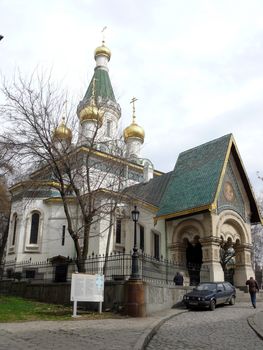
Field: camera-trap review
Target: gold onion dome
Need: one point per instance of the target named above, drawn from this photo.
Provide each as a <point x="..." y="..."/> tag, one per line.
<point x="62" y="132"/>
<point x="102" y="51"/>
<point x="134" y="131"/>
<point x="91" y="112"/>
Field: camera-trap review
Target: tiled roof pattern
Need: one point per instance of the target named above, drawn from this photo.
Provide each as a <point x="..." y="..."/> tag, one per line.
<point x="150" y="192"/>
<point x="195" y="177"/>
<point x="103" y="86"/>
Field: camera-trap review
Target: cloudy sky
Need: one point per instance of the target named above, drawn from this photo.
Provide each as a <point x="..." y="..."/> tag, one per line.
<point x="194" y="65"/>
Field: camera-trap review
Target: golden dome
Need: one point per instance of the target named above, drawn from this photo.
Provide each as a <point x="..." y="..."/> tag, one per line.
<point x="90" y="112"/>
<point x="103" y="51"/>
<point x="134" y="131"/>
<point x="62" y="132"/>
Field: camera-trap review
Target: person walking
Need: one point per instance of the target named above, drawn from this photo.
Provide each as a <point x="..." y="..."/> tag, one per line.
<point x="253" y="289"/>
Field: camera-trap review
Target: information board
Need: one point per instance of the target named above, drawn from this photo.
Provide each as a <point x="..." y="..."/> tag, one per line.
<point x="86" y="287"/>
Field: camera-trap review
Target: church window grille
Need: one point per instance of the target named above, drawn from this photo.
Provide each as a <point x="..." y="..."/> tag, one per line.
<point x="34" y="228"/>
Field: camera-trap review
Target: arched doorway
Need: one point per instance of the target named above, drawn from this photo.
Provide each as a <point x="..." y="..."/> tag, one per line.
<point x="228" y="250"/>
<point x="235" y="247"/>
<point x="194" y="259"/>
<point x="186" y="248"/>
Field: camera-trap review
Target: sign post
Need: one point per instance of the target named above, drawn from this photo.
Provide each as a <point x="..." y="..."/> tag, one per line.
<point x="86" y="287"/>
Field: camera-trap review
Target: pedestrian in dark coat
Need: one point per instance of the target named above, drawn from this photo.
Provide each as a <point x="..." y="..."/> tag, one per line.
<point x="178" y="279"/>
<point x="253" y="289"/>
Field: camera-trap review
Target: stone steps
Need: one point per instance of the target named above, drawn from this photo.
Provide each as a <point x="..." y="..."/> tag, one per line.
<point x="242" y="296"/>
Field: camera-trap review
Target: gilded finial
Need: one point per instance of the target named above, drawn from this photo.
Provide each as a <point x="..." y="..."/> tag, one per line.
<point x="103" y="50"/>
<point x="133" y="131"/>
<point x="133" y="100"/>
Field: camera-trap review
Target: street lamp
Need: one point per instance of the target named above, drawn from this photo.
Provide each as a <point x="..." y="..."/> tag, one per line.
<point x="135" y="268"/>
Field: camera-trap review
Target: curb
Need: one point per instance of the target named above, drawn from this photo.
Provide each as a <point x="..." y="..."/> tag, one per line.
<point x="254" y="326"/>
<point x="151" y="330"/>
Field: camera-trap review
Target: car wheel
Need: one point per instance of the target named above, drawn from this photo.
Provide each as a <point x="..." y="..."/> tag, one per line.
<point x="212" y="305"/>
<point x="232" y="300"/>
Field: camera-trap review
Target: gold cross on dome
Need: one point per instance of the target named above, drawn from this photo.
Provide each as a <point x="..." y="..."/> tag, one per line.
<point x="64" y="114"/>
<point x="103" y="34"/>
<point x="133" y="100"/>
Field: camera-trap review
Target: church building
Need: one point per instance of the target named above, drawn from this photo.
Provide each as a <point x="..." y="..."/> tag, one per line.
<point x="186" y="215"/>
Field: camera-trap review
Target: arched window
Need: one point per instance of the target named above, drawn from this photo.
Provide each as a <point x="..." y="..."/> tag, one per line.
<point x="108" y="130"/>
<point x="14" y="229"/>
<point x="118" y="231"/>
<point x="34" y="228"/>
<point x="156" y="246"/>
<point x="141" y="237"/>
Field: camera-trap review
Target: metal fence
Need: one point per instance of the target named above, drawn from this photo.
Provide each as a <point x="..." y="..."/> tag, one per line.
<point x="115" y="267"/>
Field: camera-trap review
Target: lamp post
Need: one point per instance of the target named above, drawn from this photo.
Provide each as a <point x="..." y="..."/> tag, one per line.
<point x="135" y="267"/>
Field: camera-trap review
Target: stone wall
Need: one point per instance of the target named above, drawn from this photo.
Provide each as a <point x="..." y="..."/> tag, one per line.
<point x="158" y="297"/>
<point x="59" y="293"/>
<point x="56" y="293"/>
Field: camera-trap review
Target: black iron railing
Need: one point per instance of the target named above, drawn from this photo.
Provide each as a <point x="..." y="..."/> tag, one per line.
<point x="116" y="266"/>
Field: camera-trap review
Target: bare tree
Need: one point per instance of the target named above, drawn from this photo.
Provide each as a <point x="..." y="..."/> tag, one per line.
<point x="6" y="170"/>
<point x="227" y="253"/>
<point x="257" y="238"/>
<point x="86" y="176"/>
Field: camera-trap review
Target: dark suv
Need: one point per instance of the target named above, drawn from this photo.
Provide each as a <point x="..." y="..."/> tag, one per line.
<point x="210" y="294"/>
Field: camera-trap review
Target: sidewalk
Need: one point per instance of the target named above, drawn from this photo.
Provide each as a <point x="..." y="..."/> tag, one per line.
<point x="256" y="322"/>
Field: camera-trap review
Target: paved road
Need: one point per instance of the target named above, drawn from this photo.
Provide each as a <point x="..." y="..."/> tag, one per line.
<point x="223" y="329"/>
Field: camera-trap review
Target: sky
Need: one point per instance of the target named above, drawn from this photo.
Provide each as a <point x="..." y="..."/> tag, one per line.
<point x="195" y="66"/>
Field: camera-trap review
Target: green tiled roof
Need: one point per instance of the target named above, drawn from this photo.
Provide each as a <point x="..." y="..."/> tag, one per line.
<point x="150" y="192"/>
<point x="103" y="86"/>
<point x="195" y="178"/>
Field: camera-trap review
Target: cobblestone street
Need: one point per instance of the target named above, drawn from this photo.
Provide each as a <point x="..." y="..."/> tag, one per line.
<point x="223" y="329"/>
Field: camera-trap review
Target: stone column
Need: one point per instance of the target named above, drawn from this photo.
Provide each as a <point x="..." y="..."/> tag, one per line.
<point x="243" y="269"/>
<point x="178" y="255"/>
<point x="135" y="298"/>
<point x="211" y="258"/>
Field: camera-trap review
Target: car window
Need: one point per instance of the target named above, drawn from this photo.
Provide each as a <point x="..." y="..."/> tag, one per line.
<point x="206" y="286"/>
<point x="220" y="286"/>
<point x="228" y="286"/>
